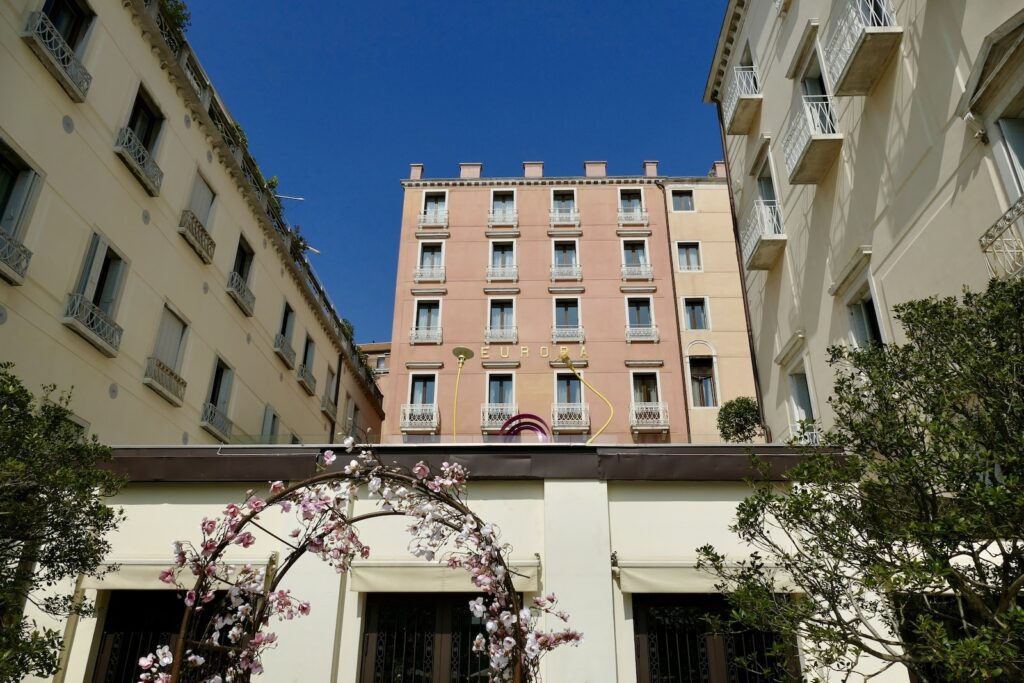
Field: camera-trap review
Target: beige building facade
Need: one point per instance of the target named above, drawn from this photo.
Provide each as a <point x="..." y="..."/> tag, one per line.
<point x="145" y="261"/>
<point x="875" y="156"/>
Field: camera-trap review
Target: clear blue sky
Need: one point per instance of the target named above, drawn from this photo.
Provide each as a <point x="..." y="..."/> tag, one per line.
<point x="338" y="98"/>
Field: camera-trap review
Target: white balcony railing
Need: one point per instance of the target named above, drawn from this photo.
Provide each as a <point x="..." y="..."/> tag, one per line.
<point x="508" y="334"/>
<point x="641" y="333"/>
<point x="194" y="232"/>
<point x="764" y="220"/>
<point x="434" y="218"/>
<point x="304" y="374"/>
<point x="565" y="216"/>
<point x="566" y="271"/>
<point x="503" y="272"/>
<point x="240" y="292"/>
<point x="632" y="215"/>
<point x="283" y="349"/>
<point x="803" y="434"/>
<point x="419" y="417"/>
<point x="744" y="83"/>
<point x="845" y="38"/>
<point x="567" y="333"/>
<point x="570" y="417"/>
<point x="162" y="379"/>
<point x="637" y="271"/>
<point x="14" y="257"/>
<point x="1003" y="243"/>
<point x="648" y="416"/>
<point x="216" y="422"/>
<point x="90" y="321"/>
<point x="502" y="217"/>
<point x="428" y="274"/>
<point x="812" y="117"/>
<point x="57" y="56"/>
<point x="494" y="415"/>
<point x="425" y="335"/>
<point x="137" y="158"/>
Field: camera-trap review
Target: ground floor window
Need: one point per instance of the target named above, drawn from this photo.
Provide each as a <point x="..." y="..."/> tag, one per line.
<point x="678" y="641"/>
<point x="135" y="623"/>
<point x="421" y="638"/>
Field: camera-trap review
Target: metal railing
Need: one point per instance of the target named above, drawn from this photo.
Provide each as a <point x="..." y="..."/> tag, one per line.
<point x="328" y="406"/>
<point x="494" y="415"/>
<point x="570" y="416"/>
<point x="216" y="422"/>
<point x="502" y="217"/>
<point x="641" y="333"/>
<point x="428" y="274"/>
<point x="803" y="434"/>
<point x="161" y="376"/>
<point x="503" y="272"/>
<point x="13" y="254"/>
<point x="744" y="84"/>
<point x="194" y="232"/>
<point x="304" y="374"/>
<point x="813" y="116"/>
<point x="1003" y="243"/>
<point x="648" y="415"/>
<point x="49" y="45"/>
<point x="637" y="271"/>
<point x="419" y="417"/>
<point x="564" y="216"/>
<point x="632" y="216"/>
<point x="437" y="217"/>
<point x="284" y="349"/>
<point x="856" y="16"/>
<point x="764" y="219"/>
<point x="508" y="334"/>
<point x="137" y="157"/>
<point x="425" y="335"/>
<point x="241" y="293"/>
<point x="566" y="271"/>
<point x="567" y="333"/>
<point x="166" y="31"/>
<point x="94" y="320"/>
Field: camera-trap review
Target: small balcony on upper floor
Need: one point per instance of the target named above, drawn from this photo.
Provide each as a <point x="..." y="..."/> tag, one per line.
<point x="632" y="215"/>
<point x="138" y="160"/>
<point x="425" y="335"/>
<point x="812" y="141"/>
<point x="284" y="350"/>
<point x="494" y="415"/>
<point x="507" y="334"/>
<point x="304" y="374"/>
<point x="93" y="324"/>
<point x="216" y="422"/>
<point x="572" y="334"/>
<point x="742" y="100"/>
<point x="863" y="38"/>
<point x="428" y="274"/>
<point x="328" y="407"/>
<point x="570" y="417"/>
<point x="648" y="417"/>
<point x="503" y="273"/>
<point x="564" y="216"/>
<point x="637" y="271"/>
<point x="433" y="218"/>
<point x="422" y="418"/>
<point x="57" y="56"/>
<point x="642" y="333"/>
<point x="503" y="217"/>
<point x="14" y="258"/>
<point x="566" y="271"/>
<point x="240" y="292"/>
<point x="162" y="379"/>
<point x="194" y="232"/>
<point x="1003" y="243"/>
<point x="762" y="238"/>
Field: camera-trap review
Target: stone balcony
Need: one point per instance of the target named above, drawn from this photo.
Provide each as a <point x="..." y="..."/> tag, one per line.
<point x="163" y="380"/>
<point x="194" y="232"/>
<point x="742" y="100"/>
<point x="812" y="141"/>
<point x="570" y="417"/>
<point x="92" y="324"/>
<point x="862" y="39"/>
<point x="421" y="418"/>
<point x="762" y="239"/>
<point x="648" y="417"/>
<point x="57" y="56"/>
<point x="138" y="160"/>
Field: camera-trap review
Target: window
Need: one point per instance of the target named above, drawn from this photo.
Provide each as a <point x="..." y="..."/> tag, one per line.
<point x="817" y="105"/>
<point x="702" y="382"/>
<point x="503" y="201"/>
<point x="308" y="353"/>
<point x="431" y="255"/>
<point x="331" y="388"/>
<point x="568" y="389"/>
<point x="16" y="183"/>
<point x="499" y="389"/>
<point x="689" y="255"/>
<point x="630" y="200"/>
<point x="1013" y="138"/>
<point x="639" y="312"/>
<point x="271" y="425"/>
<point x="567" y="313"/>
<point x="220" y="387"/>
<point x="69" y="18"/>
<point x="800" y="395"/>
<point x="381" y="363"/>
<point x="170" y="340"/>
<point x="645" y="387"/>
<point x="864" y="322"/>
<point x="145" y="120"/>
<point x="502" y="314"/>
<point x="428" y="315"/>
<point x="765" y="183"/>
<point x="682" y="200"/>
<point x="503" y="254"/>
<point x="563" y="201"/>
<point x="695" y="313"/>
<point x="287" y="323"/>
<point x="102" y="275"/>
<point x="634" y="253"/>
<point x="435" y="202"/>
<point x="201" y="200"/>
<point x="243" y="260"/>
<point x="422" y="389"/>
<point x="565" y="253"/>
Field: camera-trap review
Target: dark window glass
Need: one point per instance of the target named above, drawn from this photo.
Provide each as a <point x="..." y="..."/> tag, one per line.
<point x="69" y="18"/>
<point x="145" y="120"/>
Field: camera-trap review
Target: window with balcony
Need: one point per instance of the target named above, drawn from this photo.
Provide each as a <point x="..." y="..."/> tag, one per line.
<point x="703" y="391"/>
<point x="567" y="321"/>
<point x="57" y="34"/>
<point x="568" y="389"/>
<point x="631" y="207"/>
<point x="503" y="262"/>
<point x="136" y="142"/>
<point x="635" y="265"/>
<point x="811" y="141"/>
<point x="695" y="313"/>
<point x="17" y="183"/>
<point x="420" y="413"/>
<point x="501" y="322"/>
<point x="427" y="324"/>
<point x="271" y="426"/>
<point x="92" y="306"/>
<point x="563" y="208"/>
<point x="195" y="220"/>
<point x="503" y="208"/>
<point x="565" y="263"/>
<point x="215" y="411"/>
<point x="238" y="278"/>
<point x="431" y="263"/>
<point x="742" y="96"/>
<point x="501" y="402"/>
<point x="164" y="366"/>
<point x="801" y="407"/>
<point x="435" y="209"/>
<point x="647" y="412"/>
<point x="864" y="325"/>
<point x="640" y="320"/>
<point x="688" y="256"/>
<point x="682" y="200"/>
<point x="283" y="340"/>
<point x="329" y="401"/>
<point x="763" y="238"/>
<point x="304" y="373"/>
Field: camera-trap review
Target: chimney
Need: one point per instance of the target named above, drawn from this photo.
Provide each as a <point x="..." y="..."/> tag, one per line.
<point x="470" y="170"/>
<point x="415" y="171"/>
<point x="533" y="169"/>
<point x="717" y="170"/>
<point x="595" y="169"/>
<point x="650" y="168"/>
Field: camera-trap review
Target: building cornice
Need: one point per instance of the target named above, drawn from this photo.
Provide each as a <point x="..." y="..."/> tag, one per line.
<point x="562" y="180"/>
<point x="734" y="15"/>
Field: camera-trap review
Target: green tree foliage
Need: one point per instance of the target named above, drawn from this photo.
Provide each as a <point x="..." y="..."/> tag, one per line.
<point x="53" y="521"/>
<point x="177" y="13"/>
<point x="909" y="546"/>
<point x="739" y="420"/>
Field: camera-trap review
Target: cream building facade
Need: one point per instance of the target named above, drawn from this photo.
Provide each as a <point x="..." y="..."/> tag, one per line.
<point x="145" y="261"/>
<point x="875" y="156"/>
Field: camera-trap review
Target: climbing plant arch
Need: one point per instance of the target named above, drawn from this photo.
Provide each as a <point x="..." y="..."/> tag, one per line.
<point x="230" y="608"/>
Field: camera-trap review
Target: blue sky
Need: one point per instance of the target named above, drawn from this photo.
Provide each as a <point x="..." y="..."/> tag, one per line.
<point x="338" y="98"/>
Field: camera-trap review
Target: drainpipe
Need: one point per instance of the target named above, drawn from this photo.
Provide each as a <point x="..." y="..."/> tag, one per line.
<point x="742" y="271"/>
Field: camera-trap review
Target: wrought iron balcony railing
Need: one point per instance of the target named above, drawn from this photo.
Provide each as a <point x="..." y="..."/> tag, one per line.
<point x="652" y="416"/>
<point x="425" y="335"/>
<point x="14" y="258"/>
<point x="566" y="271"/>
<point x="138" y="160"/>
<point x="437" y="218"/>
<point x="503" y="272"/>
<point x="570" y="417"/>
<point x="564" y="216"/>
<point x="419" y="417"/>
<point x="860" y="42"/>
<point x="744" y="84"/>
<point x="1003" y="243"/>
<point x="162" y="379"/>
<point x="641" y="333"/>
<point x="57" y="56"/>
<point x="567" y="333"/>
<point x="328" y="407"/>
<point x="240" y="292"/>
<point x="632" y="215"/>
<point x="503" y="217"/>
<point x="216" y="422"/>
<point x="284" y="350"/>
<point x="95" y="326"/>
<point x="813" y="117"/>
<point x="764" y="224"/>
<point x="637" y="271"/>
<point x="304" y="374"/>
<point x="508" y="334"/>
<point x="194" y="232"/>
<point x="494" y="415"/>
<point x="803" y="434"/>
<point x="428" y="274"/>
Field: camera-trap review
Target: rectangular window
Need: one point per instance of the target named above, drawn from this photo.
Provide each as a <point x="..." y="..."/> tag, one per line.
<point x="271" y="426"/>
<point x="201" y="200"/>
<point x="682" y="200"/>
<point x="69" y="18"/>
<point x="102" y="275"/>
<point x="563" y="200"/>
<point x="630" y="200"/>
<point x="1013" y="136"/>
<point x="695" y="313"/>
<point x="702" y="382"/>
<point x="645" y="387"/>
<point x="170" y="338"/>
<point x="689" y="255"/>
<point x="565" y="254"/>
<point x="434" y="202"/>
<point x="800" y="392"/>
<point x="145" y="120"/>
<point x="431" y="255"/>
<point x="381" y="362"/>
<point x="308" y="352"/>
<point x="428" y="314"/>
<point x="243" y="259"/>
<point x="567" y="313"/>
<point x="634" y="253"/>
<point x="287" y="323"/>
<point x="639" y="312"/>
<point x="422" y="390"/>
<point x="220" y="386"/>
<point x="568" y="389"/>
<point x="503" y="201"/>
<point x="864" y="322"/>
<point x="503" y="254"/>
<point x="499" y="389"/>
<point x="502" y="314"/>
<point x="331" y="387"/>
<point x="16" y="183"/>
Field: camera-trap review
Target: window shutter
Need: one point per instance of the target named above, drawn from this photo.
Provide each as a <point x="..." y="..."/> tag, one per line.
<point x="168" y="339"/>
<point x="225" y="390"/>
<point x="268" y="425"/>
<point x="201" y="200"/>
<point x="111" y="284"/>
<point x="1013" y="133"/>
<point x="93" y="266"/>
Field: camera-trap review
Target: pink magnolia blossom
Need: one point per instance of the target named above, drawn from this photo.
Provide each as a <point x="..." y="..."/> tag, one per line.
<point x="329" y="457"/>
<point x="421" y="470"/>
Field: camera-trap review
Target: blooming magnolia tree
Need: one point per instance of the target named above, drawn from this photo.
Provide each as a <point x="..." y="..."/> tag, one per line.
<point x="230" y="608"/>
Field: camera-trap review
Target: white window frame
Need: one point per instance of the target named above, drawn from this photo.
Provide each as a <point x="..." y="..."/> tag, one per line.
<point x="650" y="306"/>
<point x="863" y="290"/>
<point x="707" y="313"/>
<point x="140" y="87"/>
<point x="219" y="357"/>
<point x="645" y="371"/>
<point x="700" y="256"/>
<point x="490" y="250"/>
<point x="575" y="197"/>
<point x="713" y="355"/>
<point x="35" y="186"/>
<point x="416" y="308"/>
<point x="682" y="188"/>
<point x="515" y="313"/>
<point x="423" y="198"/>
<point x="554" y="386"/>
<point x="515" y="197"/>
<point x="629" y="188"/>
<point x="801" y="362"/>
<point x="554" y="309"/>
<point x="429" y="243"/>
<point x="408" y="390"/>
<point x="487" y="384"/>
<point x="622" y="249"/>
<point x="86" y="270"/>
<point x="575" y="245"/>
